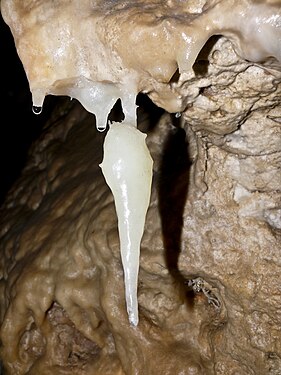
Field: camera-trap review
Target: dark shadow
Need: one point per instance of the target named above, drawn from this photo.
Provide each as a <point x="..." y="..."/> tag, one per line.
<point x="19" y="125"/>
<point x="175" y="77"/>
<point x="148" y="113"/>
<point x="116" y="114"/>
<point x="173" y="188"/>
<point x="201" y="64"/>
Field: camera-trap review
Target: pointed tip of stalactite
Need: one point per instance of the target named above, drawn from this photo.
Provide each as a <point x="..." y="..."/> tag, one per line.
<point x="134" y="320"/>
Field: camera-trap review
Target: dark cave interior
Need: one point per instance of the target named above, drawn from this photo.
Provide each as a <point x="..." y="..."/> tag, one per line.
<point x="19" y="125"/>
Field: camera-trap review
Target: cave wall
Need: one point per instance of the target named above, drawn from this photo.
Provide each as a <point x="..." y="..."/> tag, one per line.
<point x="209" y="281"/>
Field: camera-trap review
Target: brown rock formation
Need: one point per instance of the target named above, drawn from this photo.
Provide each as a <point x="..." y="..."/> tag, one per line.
<point x="209" y="283"/>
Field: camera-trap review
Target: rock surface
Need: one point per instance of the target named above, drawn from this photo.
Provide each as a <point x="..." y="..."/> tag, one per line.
<point x="209" y="280"/>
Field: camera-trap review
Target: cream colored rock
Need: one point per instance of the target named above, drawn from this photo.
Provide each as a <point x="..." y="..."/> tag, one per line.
<point x="209" y="280"/>
<point x="117" y="45"/>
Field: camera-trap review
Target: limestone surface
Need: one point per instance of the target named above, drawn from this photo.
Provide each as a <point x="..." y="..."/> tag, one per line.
<point x="209" y="288"/>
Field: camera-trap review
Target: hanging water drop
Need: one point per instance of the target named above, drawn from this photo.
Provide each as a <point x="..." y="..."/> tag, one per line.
<point x="178" y="115"/>
<point x="101" y="122"/>
<point x="101" y="128"/>
<point x="36" y="110"/>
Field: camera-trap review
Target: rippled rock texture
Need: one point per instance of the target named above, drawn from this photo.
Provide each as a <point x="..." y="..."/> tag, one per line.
<point x="209" y="282"/>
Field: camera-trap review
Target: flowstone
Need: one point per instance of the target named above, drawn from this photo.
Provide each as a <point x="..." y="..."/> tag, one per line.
<point x="209" y="282"/>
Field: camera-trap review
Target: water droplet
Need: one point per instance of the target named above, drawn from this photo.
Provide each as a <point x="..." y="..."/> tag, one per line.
<point x="36" y="110"/>
<point x="177" y="115"/>
<point x="101" y="128"/>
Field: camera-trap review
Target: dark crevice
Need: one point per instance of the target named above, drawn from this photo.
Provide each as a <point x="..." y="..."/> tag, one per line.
<point x="116" y="114"/>
<point x="176" y="76"/>
<point x="202" y="63"/>
<point x="148" y="113"/>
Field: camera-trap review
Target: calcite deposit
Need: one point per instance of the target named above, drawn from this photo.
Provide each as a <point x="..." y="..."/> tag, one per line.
<point x="209" y="288"/>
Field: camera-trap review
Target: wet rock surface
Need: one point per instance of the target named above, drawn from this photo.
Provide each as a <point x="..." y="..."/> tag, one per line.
<point x="209" y="281"/>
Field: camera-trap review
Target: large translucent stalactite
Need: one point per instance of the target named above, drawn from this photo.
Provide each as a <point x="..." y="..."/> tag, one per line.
<point x="127" y="167"/>
<point x="231" y="192"/>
